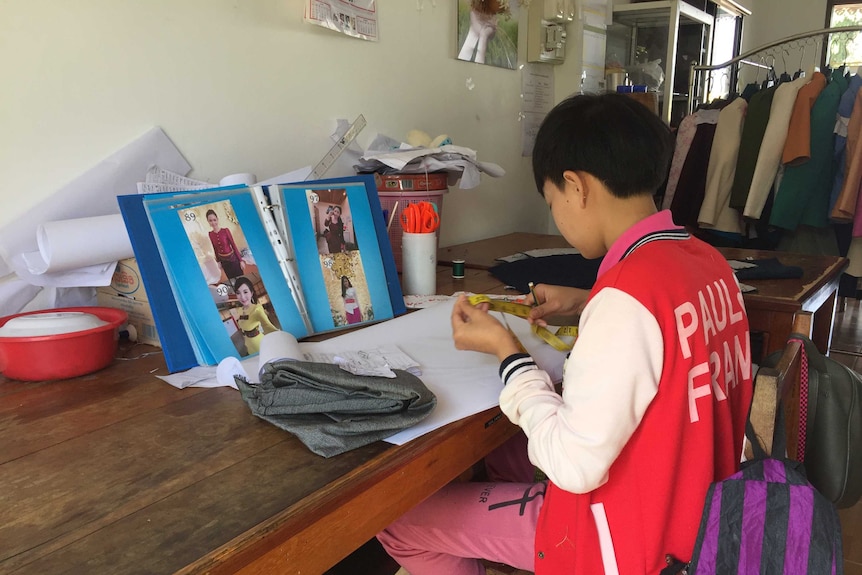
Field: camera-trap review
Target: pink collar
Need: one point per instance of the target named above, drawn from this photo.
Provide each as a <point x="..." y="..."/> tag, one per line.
<point x="660" y="221"/>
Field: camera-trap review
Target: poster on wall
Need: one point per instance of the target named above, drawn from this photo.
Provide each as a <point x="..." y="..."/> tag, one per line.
<point x="488" y="32"/>
<point x="357" y="18"/>
<point x="537" y="91"/>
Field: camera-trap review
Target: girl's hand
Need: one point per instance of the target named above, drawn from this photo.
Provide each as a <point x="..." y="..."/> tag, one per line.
<point x="555" y="300"/>
<point x="474" y="329"/>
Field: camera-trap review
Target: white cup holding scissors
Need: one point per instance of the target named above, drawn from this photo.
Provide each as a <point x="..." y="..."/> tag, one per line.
<point x="419" y="248"/>
<point x="419" y="263"/>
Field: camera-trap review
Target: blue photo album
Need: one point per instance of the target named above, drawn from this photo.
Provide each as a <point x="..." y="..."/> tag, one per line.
<point x="224" y="266"/>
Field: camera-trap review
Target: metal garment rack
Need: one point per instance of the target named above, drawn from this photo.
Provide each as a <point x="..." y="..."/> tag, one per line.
<point x="757" y="58"/>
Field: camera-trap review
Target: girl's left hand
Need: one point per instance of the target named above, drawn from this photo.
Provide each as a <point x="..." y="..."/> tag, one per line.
<point x="474" y="329"/>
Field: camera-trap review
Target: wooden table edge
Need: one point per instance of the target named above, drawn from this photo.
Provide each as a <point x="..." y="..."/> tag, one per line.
<point x="291" y="535"/>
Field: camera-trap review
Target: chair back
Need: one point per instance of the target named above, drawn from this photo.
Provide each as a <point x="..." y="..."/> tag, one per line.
<point x="779" y="386"/>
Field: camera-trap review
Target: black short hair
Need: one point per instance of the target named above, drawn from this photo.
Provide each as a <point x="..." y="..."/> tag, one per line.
<point x="611" y="136"/>
<point x="242" y="280"/>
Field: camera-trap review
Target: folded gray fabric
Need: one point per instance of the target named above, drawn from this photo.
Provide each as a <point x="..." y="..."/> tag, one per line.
<point x="332" y="411"/>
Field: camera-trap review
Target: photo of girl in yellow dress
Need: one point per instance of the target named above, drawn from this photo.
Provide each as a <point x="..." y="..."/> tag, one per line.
<point x="251" y="317"/>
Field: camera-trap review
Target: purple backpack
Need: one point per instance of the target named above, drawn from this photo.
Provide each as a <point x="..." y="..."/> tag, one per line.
<point x="767" y="519"/>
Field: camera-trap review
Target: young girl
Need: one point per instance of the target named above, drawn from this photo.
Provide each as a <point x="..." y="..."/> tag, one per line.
<point x="253" y="319"/>
<point x="227" y="254"/>
<point x="351" y="307"/>
<point x="655" y="391"/>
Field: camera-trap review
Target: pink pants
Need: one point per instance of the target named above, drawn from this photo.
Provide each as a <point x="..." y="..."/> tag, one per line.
<point x="464" y="522"/>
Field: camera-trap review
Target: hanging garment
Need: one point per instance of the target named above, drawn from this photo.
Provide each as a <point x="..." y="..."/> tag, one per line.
<point x="845" y="204"/>
<point x="692" y="178"/>
<point x="842" y="121"/>
<point x="750" y="90"/>
<point x="804" y="192"/>
<point x="756" y="119"/>
<point x="684" y="135"/>
<point x="715" y="211"/>
<point x="772" y="146"/>
<point x="797" y="147"/>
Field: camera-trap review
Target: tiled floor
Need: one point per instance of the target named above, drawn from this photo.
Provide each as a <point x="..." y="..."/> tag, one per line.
<point x="847" y="336"/>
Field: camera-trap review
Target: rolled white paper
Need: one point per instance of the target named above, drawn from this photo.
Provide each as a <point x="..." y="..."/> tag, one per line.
<point x="71" y="244"/>
<point x="278" y="345"/>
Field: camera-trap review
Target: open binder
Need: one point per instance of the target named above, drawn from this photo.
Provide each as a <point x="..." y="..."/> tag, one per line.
<point x="223" y="266"/>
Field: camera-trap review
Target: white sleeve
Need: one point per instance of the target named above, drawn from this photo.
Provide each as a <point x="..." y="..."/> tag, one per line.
<point x="610" y="379"/>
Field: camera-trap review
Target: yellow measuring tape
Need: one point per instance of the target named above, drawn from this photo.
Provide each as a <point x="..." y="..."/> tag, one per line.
<point x="523" y="310"/>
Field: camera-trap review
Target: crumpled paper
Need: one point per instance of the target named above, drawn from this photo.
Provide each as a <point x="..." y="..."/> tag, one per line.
<point x="386" y="155"/>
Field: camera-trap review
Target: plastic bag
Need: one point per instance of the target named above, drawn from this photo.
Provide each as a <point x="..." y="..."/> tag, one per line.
<point x="649" y="74"/>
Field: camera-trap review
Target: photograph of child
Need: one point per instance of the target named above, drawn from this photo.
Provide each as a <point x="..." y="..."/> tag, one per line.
<point x="488" y="32"/>
<point x="340" y="257"/>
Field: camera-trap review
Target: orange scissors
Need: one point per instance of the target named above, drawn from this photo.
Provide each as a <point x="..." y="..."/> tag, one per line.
<point x="420" y="218"/>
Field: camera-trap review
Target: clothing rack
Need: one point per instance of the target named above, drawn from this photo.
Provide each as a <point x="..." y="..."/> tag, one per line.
<point x="758" y="59"/>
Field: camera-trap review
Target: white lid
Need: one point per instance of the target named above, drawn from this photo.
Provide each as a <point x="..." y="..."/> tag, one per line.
<point x="51" y="323"/>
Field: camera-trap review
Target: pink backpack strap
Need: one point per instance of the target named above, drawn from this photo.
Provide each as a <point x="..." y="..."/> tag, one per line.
<point x="803" y="402"/>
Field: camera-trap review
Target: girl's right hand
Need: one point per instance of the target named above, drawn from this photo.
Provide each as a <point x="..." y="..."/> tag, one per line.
<point x="555" y="300"/>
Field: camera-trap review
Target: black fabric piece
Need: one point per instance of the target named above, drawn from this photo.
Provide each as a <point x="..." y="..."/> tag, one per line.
<point x="770" y="268"/>
<point x="691" y="186"/>
<point x="331" y="410"/>
<point x="730" y="526"/>
<point x="775" y="535"/>
<point x="572" y="270"/>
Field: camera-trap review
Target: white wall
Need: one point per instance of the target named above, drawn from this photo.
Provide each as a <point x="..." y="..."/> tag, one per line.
<point x="775" y="19"/>
<point x="246" y="86"/>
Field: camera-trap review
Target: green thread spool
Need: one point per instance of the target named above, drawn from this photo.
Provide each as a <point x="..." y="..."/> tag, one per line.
<point x="458" y="269"/>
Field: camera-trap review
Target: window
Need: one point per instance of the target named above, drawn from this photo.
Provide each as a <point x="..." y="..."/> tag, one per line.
<point x="844" y="48"/>
<point x="726" y="39"/>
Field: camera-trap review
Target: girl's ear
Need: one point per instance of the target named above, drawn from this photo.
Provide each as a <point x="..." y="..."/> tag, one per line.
<point x="575" y="184"/>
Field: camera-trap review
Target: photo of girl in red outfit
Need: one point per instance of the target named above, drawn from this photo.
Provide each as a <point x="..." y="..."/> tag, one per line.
<point x="227" y="254"/>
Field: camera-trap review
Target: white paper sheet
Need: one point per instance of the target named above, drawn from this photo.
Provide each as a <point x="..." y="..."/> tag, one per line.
<point x="299" y="175"/>
<point x="465" y="382"/>
<point x="91" y="194"/>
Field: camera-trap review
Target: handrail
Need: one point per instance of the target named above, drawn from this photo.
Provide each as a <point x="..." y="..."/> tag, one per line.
<point x="695" y="68"/>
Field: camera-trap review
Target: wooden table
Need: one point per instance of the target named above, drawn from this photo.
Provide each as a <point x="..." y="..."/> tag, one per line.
<point x="770" y="309"/>
<point x="118" y="472"/>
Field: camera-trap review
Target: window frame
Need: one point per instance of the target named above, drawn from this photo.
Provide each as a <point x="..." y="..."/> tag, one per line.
<point x="830" y="6"/>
